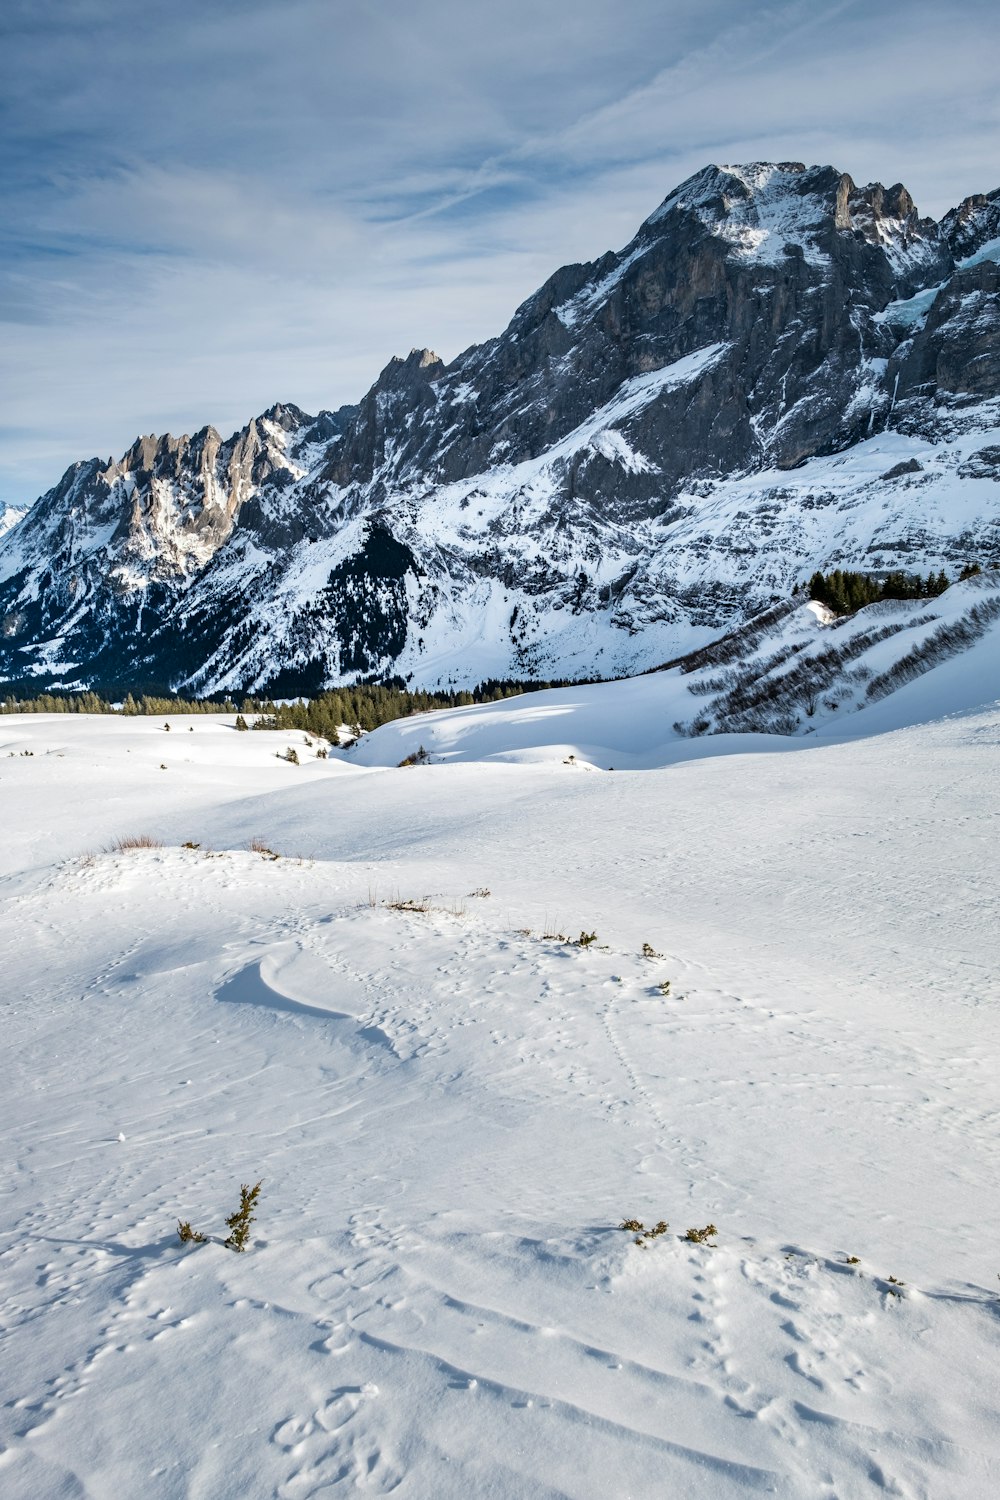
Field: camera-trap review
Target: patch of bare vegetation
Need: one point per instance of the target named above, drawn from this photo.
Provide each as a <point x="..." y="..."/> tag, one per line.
<point x="419" y="757"/>
<point x="258" y="846"/>
<point x="772" y="695"/>
<point x="946" y="641"/>
<point x="422" y="905"/>
<point x="704" y="1236"/>
<point x="643" y="1236"/>
<point x="585" y="940"/>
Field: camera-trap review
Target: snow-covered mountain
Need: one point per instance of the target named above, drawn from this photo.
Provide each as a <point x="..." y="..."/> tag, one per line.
<point x="9" y="517"/>
<point x="781" y="372"/>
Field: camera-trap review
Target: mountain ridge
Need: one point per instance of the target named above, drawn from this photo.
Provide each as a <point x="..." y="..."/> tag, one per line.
<point x="573" y="495"/>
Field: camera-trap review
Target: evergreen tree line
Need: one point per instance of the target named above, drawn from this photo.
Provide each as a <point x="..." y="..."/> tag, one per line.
<point x="845" y="592"/>
<point x="69" y="702"/>
<point x="367" y="706"/>
<point x="363" y="707"/>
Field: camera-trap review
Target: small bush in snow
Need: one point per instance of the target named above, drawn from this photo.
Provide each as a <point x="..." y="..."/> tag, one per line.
<point x="258" y="846"/>
<point x="239" y="1222"/>
<point x="241" y="723"/>
<point x="408" y="904"/>
<point x="291" y="755"/>
<point x="702" y="1236"/>
<point x="418" y="758"/>
<point x="137" y="841"/>
<point x="642" y="1234"/>
<point x="648" y="951"/>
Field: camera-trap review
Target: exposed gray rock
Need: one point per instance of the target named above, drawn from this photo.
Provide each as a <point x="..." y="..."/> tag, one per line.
<point x="957" y="352"/>
<point x="908" y="466"/>
<point x="973" y="224"/>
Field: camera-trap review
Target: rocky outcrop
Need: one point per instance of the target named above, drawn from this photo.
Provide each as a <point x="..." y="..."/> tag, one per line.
<point x="957" y="351"/>
<point x="974" y="224"/>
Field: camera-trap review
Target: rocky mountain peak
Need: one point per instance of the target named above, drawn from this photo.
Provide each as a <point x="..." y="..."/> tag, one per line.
<point x="760" y="212"/>
<point x="287" y="416"/>
<point x="418" y="366"/>
<point x="974" y="224"/>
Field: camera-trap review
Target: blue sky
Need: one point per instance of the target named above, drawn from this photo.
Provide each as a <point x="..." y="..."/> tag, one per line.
<point x="212" y="206"/>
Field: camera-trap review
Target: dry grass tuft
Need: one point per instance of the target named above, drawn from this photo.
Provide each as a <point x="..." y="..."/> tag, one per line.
<point x="453" y="908"/>
<point x="258" y="846"/>
<point x="583" y="941"/>
<point x="136" y="841"/>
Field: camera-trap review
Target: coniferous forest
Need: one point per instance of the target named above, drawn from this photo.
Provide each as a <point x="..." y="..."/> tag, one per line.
<point x="360" y="708"/>
<point x="846" y="592"/>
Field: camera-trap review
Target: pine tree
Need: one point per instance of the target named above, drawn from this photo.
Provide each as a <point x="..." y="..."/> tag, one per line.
<point x="239" y="1222"/>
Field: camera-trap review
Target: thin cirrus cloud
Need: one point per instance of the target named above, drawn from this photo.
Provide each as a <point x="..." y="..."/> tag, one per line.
<point x="210" y="208"/>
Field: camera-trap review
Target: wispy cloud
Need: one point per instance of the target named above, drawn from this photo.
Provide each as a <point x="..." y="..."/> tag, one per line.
<point x="209" y="208"/>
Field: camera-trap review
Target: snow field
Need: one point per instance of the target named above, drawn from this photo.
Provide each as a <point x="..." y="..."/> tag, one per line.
<point x="452" y="1111"/>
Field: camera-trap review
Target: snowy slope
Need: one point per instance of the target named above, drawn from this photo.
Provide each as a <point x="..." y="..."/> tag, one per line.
<point x="452" y="1109"/>
<point x="9" y="517"/>
<point x="797" y="670"/>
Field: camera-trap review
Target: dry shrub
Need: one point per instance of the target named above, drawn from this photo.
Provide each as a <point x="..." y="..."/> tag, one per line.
<point x="702" y="1236"/>
<point x="258" y="846"/>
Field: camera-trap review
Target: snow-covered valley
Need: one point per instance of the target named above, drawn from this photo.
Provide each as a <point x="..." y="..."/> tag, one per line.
<point x="453" y="1103"/>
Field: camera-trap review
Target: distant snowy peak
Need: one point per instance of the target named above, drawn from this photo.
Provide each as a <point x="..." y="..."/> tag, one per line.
<point x="9" y="517"/>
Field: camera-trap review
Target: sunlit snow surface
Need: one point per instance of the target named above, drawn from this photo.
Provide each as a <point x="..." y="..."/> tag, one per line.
<point x="451" y="1109"/>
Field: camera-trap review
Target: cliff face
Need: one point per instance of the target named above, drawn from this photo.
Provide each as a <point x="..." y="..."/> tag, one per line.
<point x="658" y="443"/>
